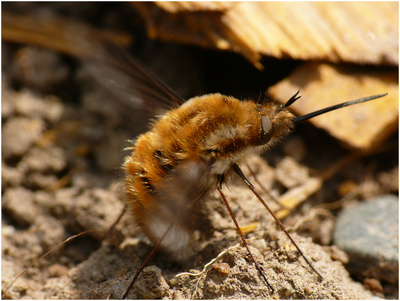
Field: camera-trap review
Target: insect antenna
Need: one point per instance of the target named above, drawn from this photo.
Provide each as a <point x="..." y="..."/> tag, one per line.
<point x="239" y="172"/>
<point x="335" y="107"/>
<point x="219" y="187"/>
<point x="290" y="101"/>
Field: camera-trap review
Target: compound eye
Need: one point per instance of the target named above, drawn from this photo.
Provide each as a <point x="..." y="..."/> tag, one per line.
<point x="267" y="130"/>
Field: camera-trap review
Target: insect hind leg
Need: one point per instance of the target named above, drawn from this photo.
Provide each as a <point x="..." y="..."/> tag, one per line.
<point x="219" y="188"/>
<point x="125" y="295"/>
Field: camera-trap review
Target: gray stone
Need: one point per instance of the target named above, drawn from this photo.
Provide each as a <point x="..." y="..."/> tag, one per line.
<point x="369" y="234"/>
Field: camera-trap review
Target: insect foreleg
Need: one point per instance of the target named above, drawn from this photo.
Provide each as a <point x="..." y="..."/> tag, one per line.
<point x="239" y="172"/>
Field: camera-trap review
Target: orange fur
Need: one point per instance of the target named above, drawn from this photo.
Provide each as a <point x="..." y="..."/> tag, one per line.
<point x="205" y="135"/>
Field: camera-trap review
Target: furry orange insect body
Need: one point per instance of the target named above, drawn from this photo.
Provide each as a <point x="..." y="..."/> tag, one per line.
<point x="204" y="136"/>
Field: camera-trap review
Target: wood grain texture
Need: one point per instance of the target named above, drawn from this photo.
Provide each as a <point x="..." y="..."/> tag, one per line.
<point x="357" y="32"/>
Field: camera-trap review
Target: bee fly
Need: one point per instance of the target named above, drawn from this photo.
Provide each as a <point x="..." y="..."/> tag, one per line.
<point x="190" y="150"/>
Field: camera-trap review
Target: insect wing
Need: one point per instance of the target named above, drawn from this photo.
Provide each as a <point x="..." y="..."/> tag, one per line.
<point x="129" y="82"/>
<point x="179" y="202"/>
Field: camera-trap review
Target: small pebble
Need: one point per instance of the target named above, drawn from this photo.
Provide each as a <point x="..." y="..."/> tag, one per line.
<point x="373" y="285"/>
<point x="369" y="234"/>
<point x="222" y="268"/>
<point x="151" y="284"/>
<point x="57" y="270"/>
<point x="337" y="254"/>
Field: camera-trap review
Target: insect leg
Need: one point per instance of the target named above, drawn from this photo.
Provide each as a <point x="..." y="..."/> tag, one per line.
<point x="219" y="187"/>
<point x="44" y="255"/>
<point x="265" y="189"/>
<point x="110" y="230"/>
<point x="237" y="169"/>
<point x="146" y="261"/>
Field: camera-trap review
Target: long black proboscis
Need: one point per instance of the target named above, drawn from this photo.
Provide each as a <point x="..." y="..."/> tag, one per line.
<point x="335" y="107"/>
